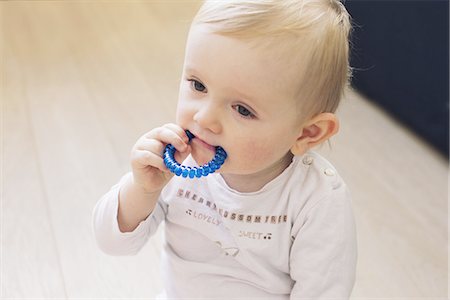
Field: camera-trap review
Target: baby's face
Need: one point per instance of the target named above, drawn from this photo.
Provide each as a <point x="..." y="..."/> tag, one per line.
<point x="239" y="97"/>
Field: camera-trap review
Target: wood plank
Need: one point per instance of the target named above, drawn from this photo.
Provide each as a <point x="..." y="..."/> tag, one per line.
<point x="30" y="265"/>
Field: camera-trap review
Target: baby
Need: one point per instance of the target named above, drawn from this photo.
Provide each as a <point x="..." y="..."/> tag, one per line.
<point x="261" y="79"/>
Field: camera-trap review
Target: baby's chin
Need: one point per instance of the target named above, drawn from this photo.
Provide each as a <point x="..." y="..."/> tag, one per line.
<point x="202" y="156"/>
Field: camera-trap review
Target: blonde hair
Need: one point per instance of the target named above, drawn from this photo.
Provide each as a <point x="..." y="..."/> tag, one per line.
<point x="321" y="27"/>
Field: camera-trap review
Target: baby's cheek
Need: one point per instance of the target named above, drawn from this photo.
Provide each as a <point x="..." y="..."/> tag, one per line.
<point x="256" y="155"/>
<point x="182" y="116"/>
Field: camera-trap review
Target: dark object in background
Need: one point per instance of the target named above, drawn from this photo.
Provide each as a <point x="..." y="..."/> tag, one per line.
<point x="400" y="56"/>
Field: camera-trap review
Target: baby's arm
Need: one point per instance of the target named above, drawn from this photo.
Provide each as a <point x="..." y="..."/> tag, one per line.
<point x="110" y="239"/>
<point x="140" y="192"/>
<point x="130" y="212"/>
<point x="323" y="254"/>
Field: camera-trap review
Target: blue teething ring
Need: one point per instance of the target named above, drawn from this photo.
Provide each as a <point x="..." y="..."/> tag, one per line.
<point x="191" y="172"/>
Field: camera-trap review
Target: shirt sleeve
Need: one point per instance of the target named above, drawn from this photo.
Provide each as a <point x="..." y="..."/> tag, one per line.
<point x="324" y="251"/>
<point x="106" y="227"/>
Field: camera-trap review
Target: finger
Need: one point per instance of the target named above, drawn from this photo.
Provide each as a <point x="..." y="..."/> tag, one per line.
<point x="144" y="158"/>
<point x="178" y="130"/>
<point x="181" y="156"/>
<point x="151" y="145"/>
<point x="173" y="127"/>
<point x="168" y="136"/>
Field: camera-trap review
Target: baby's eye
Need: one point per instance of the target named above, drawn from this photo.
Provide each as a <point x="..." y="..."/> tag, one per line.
<point x="243" y="111"/>
<point x="197" y="85"/>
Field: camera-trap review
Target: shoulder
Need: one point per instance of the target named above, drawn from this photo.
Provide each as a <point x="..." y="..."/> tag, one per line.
<point x="320" y="182"/>
<point x="317" y="173"/>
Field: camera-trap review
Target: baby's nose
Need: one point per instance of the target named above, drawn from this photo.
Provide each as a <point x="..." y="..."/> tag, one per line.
<point x="208" y="117"/>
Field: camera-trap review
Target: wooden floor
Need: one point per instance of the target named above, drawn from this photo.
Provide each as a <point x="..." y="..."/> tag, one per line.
<point x="82" y="80"/>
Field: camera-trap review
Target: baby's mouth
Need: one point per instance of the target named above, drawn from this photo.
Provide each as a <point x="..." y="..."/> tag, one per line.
<point x="198" y="149"/>
<point x="206" y="154"/>
<point x="201" y="143"/>
<point x="202" y="151"/>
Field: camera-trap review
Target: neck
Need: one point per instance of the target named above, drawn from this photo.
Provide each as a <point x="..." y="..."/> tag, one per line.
<point x="249" y="183"/>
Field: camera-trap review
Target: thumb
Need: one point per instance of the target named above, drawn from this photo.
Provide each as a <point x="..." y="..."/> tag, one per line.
<point x="181" y="156"/>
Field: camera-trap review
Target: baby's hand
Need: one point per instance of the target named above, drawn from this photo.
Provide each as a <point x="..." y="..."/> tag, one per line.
<point x="147" y="164"/>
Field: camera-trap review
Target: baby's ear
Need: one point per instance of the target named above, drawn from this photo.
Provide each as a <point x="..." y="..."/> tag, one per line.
<point x="316" y="131"/>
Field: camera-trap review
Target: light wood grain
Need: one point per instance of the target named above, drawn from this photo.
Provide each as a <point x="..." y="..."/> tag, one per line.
<point x="84" y="79"/>
<point x="30" y="262"/>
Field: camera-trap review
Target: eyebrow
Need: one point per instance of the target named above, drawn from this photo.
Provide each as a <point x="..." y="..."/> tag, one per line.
<point x="245" y="96"/>
<point x="189" y="69"/>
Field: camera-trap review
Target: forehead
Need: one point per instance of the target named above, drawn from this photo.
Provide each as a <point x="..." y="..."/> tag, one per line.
<point x="263" y="68"/>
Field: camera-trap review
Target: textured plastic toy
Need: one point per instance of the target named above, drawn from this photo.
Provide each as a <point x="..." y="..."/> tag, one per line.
<point x="193" y="172"/>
